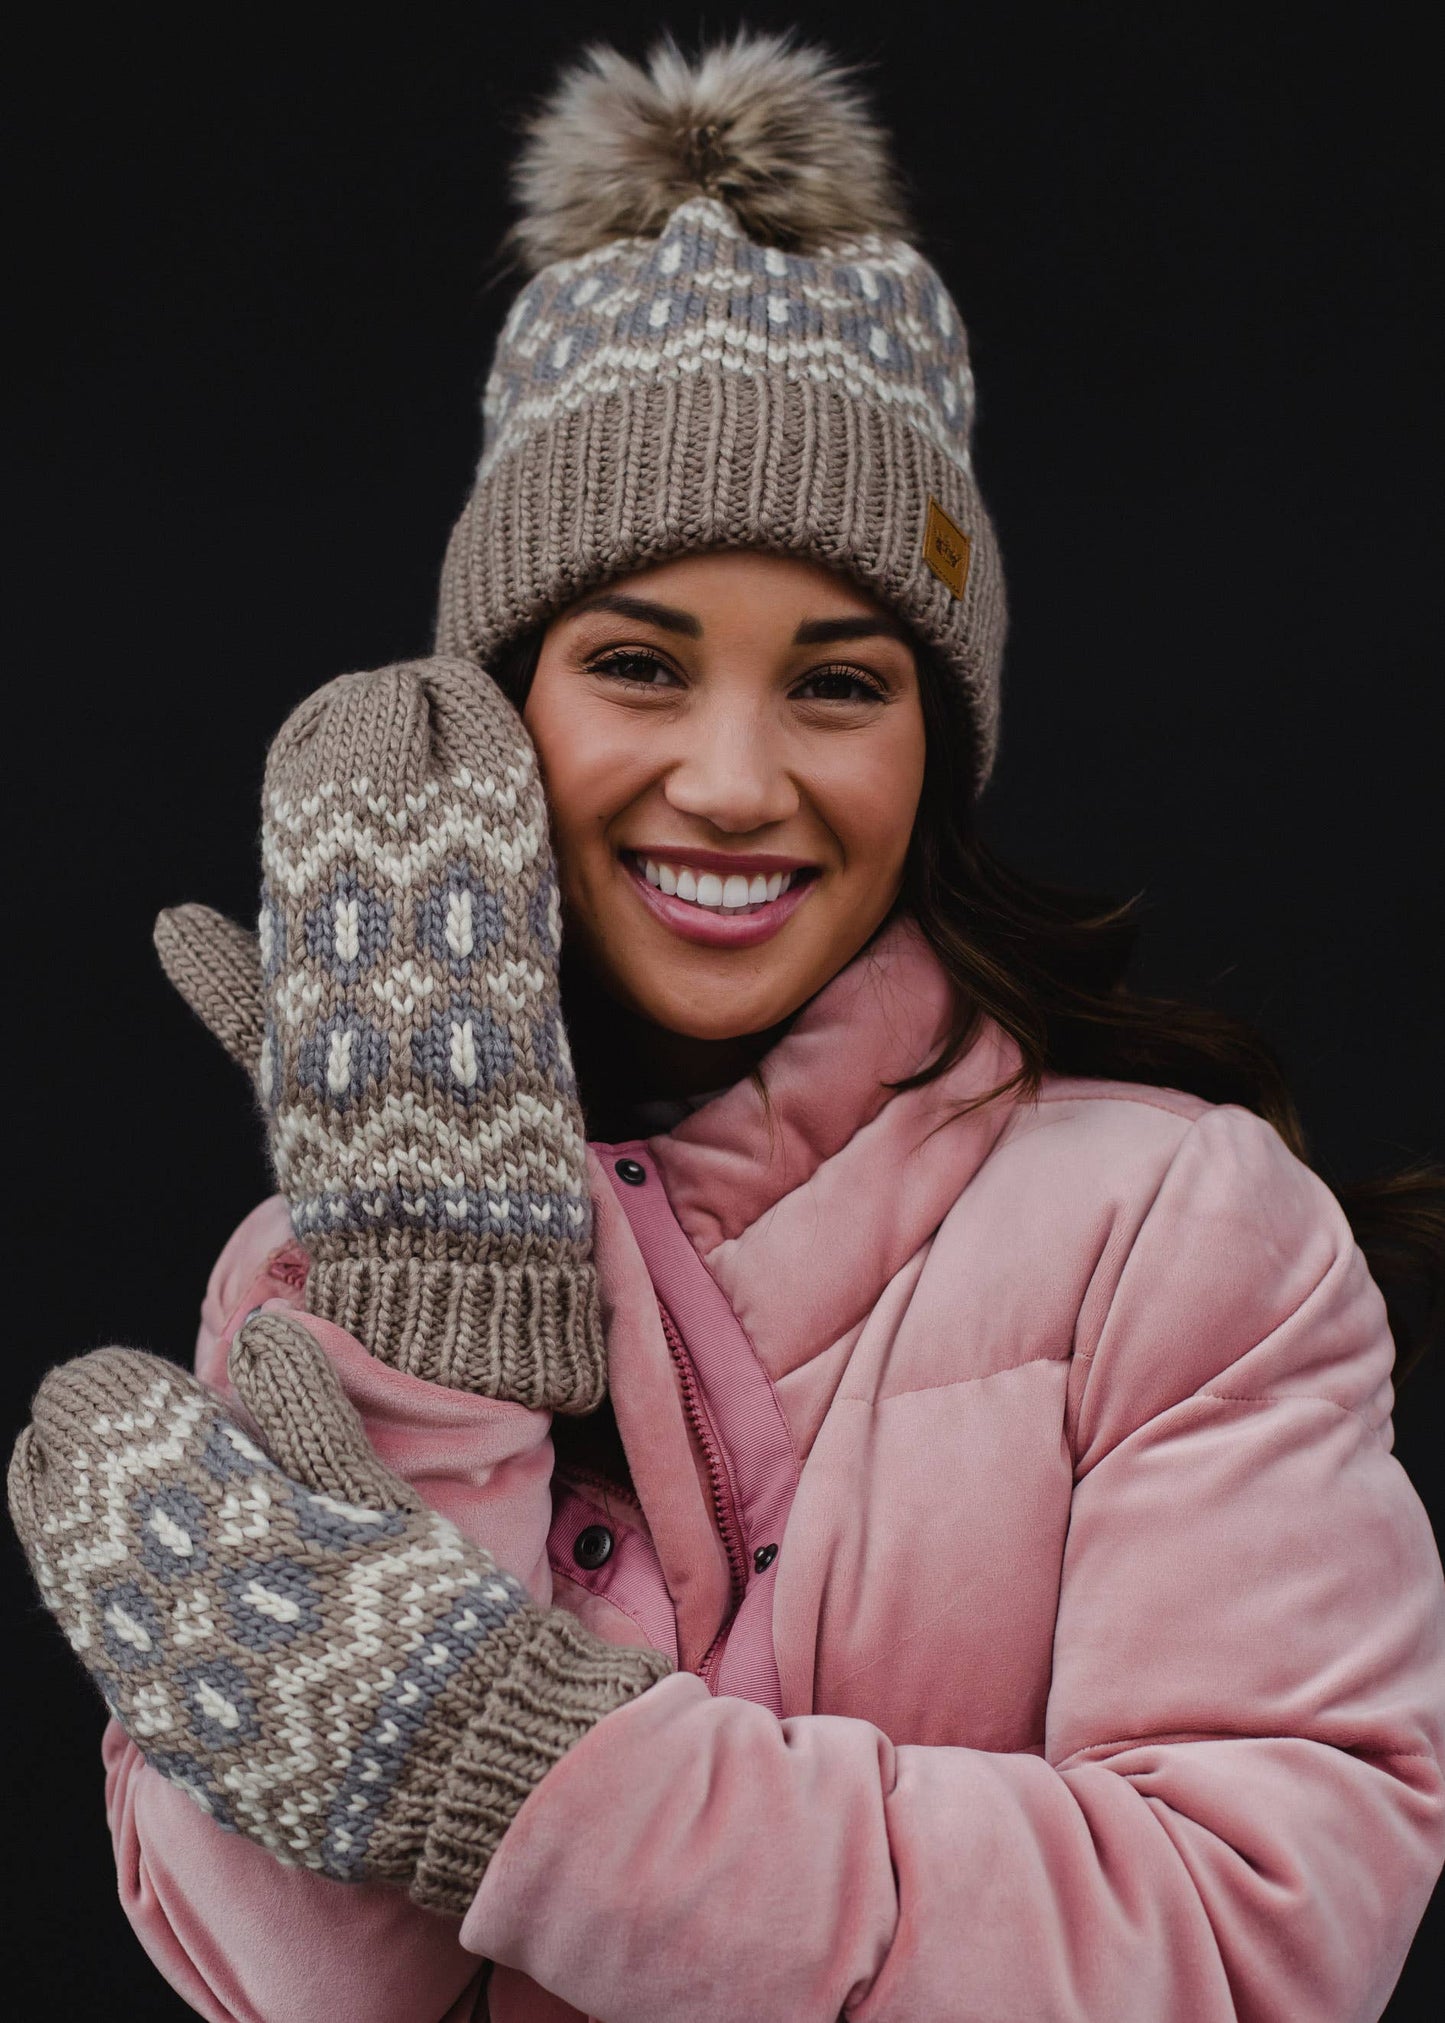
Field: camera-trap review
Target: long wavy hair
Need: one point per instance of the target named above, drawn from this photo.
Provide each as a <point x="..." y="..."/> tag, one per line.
<point x="1049" y="966"/>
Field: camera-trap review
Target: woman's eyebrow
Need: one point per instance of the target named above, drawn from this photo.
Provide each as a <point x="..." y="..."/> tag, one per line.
<point x="822" y="631"/>
<point x="645" y="612"/>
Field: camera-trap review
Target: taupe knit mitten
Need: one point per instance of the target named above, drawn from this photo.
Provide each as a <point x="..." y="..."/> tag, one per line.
<point x="283" y="1627"/>
<point x="399" y="1013"/>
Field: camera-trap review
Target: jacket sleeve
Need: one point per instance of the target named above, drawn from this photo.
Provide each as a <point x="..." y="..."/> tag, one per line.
<point x="240" y="1937"/>
<point x="1237" y="1811"/>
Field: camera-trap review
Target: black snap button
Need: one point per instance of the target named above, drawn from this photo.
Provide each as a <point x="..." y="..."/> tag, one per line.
<point x="593" y="1546"/>
<point x="764" y="1557"/>
<point x="632" y="1171"/>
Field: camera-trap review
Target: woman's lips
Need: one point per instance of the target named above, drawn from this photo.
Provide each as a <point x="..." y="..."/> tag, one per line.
<point x="714" y="929"/>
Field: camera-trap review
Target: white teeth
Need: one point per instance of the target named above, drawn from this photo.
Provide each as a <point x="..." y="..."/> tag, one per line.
<point x="732" y="894"/>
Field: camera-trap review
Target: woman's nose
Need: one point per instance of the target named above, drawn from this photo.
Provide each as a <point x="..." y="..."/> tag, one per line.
<point x="732" y="775"/>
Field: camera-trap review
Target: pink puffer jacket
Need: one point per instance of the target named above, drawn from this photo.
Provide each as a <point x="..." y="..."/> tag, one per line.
<point x="1059" y="1639"/>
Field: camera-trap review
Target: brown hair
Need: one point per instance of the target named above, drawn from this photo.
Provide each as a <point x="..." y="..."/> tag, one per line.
<point x="1048" y="966"/>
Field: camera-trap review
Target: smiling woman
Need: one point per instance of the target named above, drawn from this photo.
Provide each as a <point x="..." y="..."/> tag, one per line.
<point x="749" y="726"/>
<point x="887" y="1507"/>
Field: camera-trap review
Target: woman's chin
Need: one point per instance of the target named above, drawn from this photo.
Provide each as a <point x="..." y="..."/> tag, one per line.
<point x="696" y="1003"/>
<point x="711" y="995"/>
<point x="730" y="1021"/>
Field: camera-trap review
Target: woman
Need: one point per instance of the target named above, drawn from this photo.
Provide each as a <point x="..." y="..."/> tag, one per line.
<point x="985" y="1587"/>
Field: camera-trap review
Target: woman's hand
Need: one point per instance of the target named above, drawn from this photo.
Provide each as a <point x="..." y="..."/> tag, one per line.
<point x="399" y="1014"/>
<point x="284" y="1628"/>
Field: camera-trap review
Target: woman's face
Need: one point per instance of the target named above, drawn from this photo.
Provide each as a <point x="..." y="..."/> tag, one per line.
<point x="732" y="745"/>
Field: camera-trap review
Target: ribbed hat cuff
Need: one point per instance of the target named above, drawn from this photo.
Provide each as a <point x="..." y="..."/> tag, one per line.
<point x="727" y="460"/>
<point x="529" y="1332"/>
<point x="559" y="1685"/>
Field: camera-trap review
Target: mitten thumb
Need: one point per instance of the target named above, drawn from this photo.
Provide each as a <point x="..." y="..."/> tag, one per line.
<point x="216" y="966"/>
<point x="308" y="1425"/>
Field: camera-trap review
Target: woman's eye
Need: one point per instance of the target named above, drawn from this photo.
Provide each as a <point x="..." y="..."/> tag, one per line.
<point x="633" y="665"/>
<point x="840" y="684"/>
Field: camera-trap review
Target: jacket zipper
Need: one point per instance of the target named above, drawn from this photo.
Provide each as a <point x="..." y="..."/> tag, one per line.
<point x="288" y="1266"/>
<point x="724" y="1509"/>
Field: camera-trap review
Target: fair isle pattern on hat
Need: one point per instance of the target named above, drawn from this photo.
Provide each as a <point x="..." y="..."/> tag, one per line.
<point x="871" y="318"/>
<point x="701" y="386"/>
<point x="414" y="1069"/>
<point x="337" y="1680"/>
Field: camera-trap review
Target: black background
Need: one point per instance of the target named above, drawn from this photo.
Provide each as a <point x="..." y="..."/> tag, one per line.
<point x="248" y="271"/>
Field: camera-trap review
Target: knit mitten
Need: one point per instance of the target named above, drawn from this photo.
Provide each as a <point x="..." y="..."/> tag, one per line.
<point x="399" y="1013"/>
<point x="282" y="1626"/>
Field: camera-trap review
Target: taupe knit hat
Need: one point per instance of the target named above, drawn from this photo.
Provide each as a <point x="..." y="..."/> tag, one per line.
<point x="727" y="342"/>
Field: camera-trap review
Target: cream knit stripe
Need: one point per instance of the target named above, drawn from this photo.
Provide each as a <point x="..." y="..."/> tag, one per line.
<point x="784" y="332"/>
<point x="605" y="281"/>
<point x="716" y="346"/>
<point x="348" y="839"/>
<point x="534" y="1141"/>
<point x="361" y="1182"/>
<point x="506" y="786"/>
<point x="404" y="986"/>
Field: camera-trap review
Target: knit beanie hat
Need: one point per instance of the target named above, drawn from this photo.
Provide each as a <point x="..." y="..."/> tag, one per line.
<point x="727" y="341"/>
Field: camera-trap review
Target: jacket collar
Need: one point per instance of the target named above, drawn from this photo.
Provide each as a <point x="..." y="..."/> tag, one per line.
<point x="802" y="1211"/>
<point x="806" y="1208"/>
<point x="880" y="1020"/>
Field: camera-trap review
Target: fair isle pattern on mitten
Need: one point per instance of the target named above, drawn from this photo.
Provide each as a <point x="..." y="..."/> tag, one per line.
<point x="337" y="1681"/>
<point x="415" y="1070"/>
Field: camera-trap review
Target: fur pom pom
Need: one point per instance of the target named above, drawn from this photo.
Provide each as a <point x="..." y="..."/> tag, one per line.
<point x="775" y="130"/>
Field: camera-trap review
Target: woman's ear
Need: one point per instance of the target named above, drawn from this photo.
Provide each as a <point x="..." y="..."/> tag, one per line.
<point x="216" y="966"/>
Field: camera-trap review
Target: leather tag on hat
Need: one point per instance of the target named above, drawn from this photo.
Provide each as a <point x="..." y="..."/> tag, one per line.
<point x="946" y="549"/>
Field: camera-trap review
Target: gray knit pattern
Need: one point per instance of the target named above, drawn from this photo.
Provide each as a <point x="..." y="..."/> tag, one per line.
<point x="350" y="1683"/>
<point x="656" y="397"/>
<point x="415" y="1071"/>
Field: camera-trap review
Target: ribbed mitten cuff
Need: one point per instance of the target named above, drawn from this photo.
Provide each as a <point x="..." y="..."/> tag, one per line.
<point x="530" y="1333"/>
<point x="559" y="1685"/>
